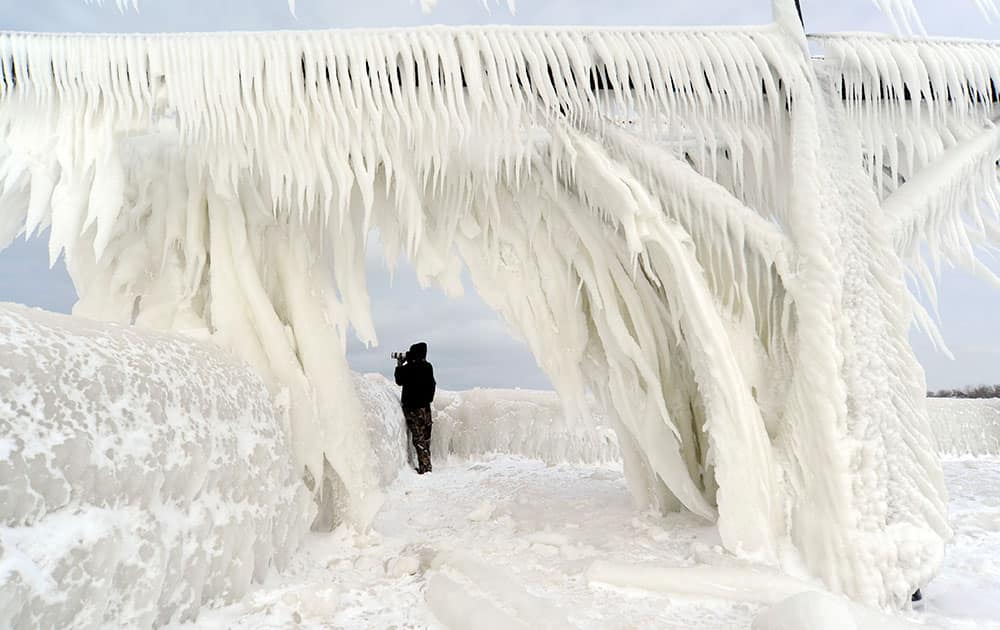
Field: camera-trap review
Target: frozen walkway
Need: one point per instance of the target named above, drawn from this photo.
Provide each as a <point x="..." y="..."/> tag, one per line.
<point x="506" y="543"/>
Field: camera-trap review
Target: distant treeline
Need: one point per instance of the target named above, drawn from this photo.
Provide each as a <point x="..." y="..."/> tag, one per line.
<point x="972" y="391"/>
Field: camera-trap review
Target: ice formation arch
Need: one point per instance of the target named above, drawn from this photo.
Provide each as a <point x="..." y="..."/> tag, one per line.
<point x="707" y="228"/>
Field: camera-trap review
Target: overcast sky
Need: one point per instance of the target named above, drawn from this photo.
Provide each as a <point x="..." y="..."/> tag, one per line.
<point x="469" y="345"/>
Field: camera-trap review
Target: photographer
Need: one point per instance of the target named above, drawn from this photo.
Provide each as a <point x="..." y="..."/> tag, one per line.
<point x="416" y="376"/>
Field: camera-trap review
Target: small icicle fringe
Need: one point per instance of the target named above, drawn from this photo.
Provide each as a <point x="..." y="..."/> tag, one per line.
<point x="704" y="228"/>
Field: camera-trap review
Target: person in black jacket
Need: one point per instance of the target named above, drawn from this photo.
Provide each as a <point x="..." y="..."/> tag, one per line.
<point x="416" y="376"/>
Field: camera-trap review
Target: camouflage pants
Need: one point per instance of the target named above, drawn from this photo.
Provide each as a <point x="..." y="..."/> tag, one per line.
<point x="418" y="421"/>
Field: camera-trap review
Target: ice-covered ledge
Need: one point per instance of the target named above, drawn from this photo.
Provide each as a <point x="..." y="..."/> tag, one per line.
<point x="141" y="475"/>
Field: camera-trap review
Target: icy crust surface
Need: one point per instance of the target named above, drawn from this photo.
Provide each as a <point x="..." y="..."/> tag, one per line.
<point x="142" y="475"/>
<point x="965" y="427"/>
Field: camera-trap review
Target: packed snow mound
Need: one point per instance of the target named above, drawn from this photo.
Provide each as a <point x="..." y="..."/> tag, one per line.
<point x="965" y="427"/>
<point x="530" y="423"/>
<point x="142" y="475"/>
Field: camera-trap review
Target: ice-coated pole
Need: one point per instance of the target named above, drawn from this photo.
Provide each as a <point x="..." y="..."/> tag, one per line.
<point x="788" y="15"/>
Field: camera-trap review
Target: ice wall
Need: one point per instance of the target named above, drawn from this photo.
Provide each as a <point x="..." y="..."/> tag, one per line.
<point x="142" y="475"/>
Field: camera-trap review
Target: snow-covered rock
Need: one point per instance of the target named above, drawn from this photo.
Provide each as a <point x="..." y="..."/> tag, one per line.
<point x="142" y="475"/>
<point x="965" y="427"/>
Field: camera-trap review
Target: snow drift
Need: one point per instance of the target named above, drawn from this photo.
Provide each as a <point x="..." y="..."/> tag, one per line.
<point x="142" y="475"/>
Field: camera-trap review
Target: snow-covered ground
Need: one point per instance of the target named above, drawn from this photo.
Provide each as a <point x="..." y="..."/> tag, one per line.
<point x="506" y="542"/>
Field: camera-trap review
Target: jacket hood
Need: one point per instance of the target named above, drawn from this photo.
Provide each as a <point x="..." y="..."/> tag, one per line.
<point x="418" y="351"/>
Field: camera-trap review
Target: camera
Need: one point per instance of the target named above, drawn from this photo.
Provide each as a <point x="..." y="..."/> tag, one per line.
<point x="399" y="356"/>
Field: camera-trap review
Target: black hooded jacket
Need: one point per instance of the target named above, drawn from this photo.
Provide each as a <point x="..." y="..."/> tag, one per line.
<point x="416" y="376"/>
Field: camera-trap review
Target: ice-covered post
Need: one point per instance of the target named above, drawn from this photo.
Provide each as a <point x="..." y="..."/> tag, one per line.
<point x="788" y="16"/>
<point x="854" y="407"/>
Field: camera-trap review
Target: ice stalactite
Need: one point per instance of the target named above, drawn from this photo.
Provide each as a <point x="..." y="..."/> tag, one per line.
<point x="675" y="220"/>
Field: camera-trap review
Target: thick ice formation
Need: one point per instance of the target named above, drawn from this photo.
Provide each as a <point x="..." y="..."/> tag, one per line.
<point x="700" y="227"/>
<point x="141" y="475"/>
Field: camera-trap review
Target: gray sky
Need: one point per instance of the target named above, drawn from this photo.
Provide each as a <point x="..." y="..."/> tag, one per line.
<point x="469" y="345"/>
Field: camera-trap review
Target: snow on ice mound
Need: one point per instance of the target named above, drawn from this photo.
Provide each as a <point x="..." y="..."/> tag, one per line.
<point x="965" y="427"/>
<point x="141" y="475"/>
<point x="519" y="422"/>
